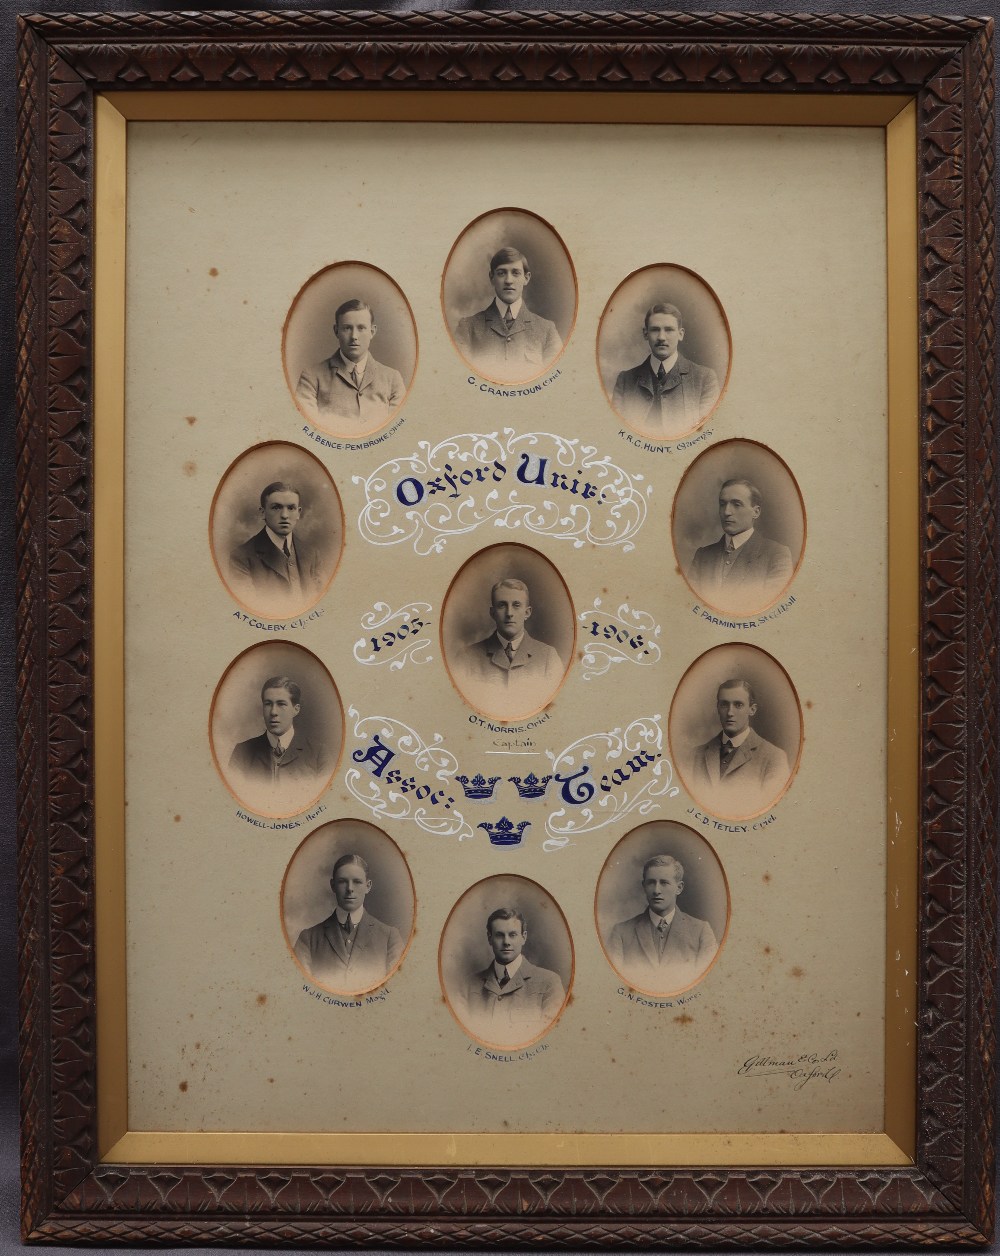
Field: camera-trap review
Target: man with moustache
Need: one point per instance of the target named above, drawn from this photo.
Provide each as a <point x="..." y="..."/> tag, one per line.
<point x="510" y="657"/>
<point x="743" y="566"/>
<point x="351" y="384"/>
<point x="663" y="948"/>
<point x="506" y="340"/>
<point x="666" y="395"/>
<point x="281" y="756"/>
<point x="350" y="951"/>
<point x="738" y="769"/>
<point x="271" y="563"/>
<point x="511" y="1001"/>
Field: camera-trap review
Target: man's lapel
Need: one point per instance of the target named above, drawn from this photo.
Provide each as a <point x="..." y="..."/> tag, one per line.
<point x="335" y="936"/>
<point x="270" y="555"/>
<point x="711" y="759"/>
<point x="644" y="936"/>
<point x="743" y="753"/>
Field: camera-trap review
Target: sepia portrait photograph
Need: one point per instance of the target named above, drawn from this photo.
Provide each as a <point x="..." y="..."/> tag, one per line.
<point x="277" y="530"/>
<point x="664" y="351"/>
<point x="506" y="961"/>
<point x="276" y="728"/>
<point x="739" y="527"/>
<point x="348" y="907"/>
<point x="736" y="731"/>
<point x="509" y="295"/>
<point x="350" y="349"/>
<point x="508" y="631"/>
<point x="662" y="908"/>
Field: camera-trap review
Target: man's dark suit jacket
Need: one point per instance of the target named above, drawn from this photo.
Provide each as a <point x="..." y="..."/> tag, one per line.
<point x="375" y="952"/>
<point x="690" y="948"/>
<point x="760" y="570"/>
<point x="486" y="662"/>
<point x="635" y="391"/>
<point x="304" y="759"/>
<point x="519" y="352"/>
<point x="519" y="1011"/>
<point x="260" y="561"/>
<point x="756" y="774"/>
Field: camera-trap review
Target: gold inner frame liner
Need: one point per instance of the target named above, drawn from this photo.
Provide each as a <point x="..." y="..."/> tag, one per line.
<point x="116" y="1143"/>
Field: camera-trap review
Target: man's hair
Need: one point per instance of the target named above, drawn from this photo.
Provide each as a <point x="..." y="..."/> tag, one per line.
<point x="354" y="304"/>
<point x="344" y="860"/>
<point x="662" y="307"/>
<point x="755" y="495"/>
<point x="664" y="861"/>
<point x="282" y="682"/>
<point x="738" y="683"/>
<point x="279" y="486"/>
<point x="510" y="583"/>
<point x="505" y="913"/>
<point x="505" y="255"/>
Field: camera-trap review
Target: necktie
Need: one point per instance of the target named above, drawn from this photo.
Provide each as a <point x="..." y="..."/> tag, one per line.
<point x="726" y="752"/>
<point x="655" y="415"/>
<point x="508" y="318"/>
<point x="354" y="376"/>
<point x="509" y="651"/>
<point x="504" y="979"/>
<point x="277" y="750"/>
<point x="287" y="552"/>
<point x="661" y="937"/>
<point x="661" y="378"/>
<point x="346" y="926"/>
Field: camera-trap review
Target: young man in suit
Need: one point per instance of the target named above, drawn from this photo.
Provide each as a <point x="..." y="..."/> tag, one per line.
<point x="666" y="395"/>
<point x="738" y="771"/>
<point x="511" y="1001"/>
<point x="743" y="568"/>
<point x="351" y="385"/>
<point x="350" y="951"/>
<point x="662" y="949"/>
<point x="272" y="566"/>
<point x="281" y="757"/>
<point x="506" y="341"/>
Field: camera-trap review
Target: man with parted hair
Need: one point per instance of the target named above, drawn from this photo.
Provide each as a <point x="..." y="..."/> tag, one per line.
<point x="662" y="948"/>
<point x="272" y="564"/>
<point x="350" y="951"/>
<point x="506" y="340"/>
<point x="743" y="566"/>
<point x="666" y="394"/>
<point x="738" y="769"/>
<point x="510" y="657"/>
<point x="281" y="755"/>
<point x="351" y="384"/>
<point x="511" y="1001"/>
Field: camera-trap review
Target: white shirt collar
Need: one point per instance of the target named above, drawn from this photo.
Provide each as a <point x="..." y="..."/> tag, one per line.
<point x="355" y="916"/>
<point x="285" y="740"/>
<point x="515" y="308"/>
<point x="668" y="363"/>
<point x="655" y="917"/>
<point x="512" y="967"/>
<point x="740" y="539"/>
<point x="279" y="541"/>
<point x="350" y="366"/>
<point x="515" y="642"/>
<point x="739" y="739"/>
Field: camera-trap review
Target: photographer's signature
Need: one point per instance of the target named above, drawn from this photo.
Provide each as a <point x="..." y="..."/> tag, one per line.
<point x="799" y="1069"/>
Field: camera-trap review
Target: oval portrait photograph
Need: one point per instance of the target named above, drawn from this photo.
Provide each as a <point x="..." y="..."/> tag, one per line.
<point x="506" y="961"/>
<point x="735" y="731"/>
<point x="509" y="295"/>
<point x="662" y="907"/>
<point x="348" y="906"/>
<point x="277" y="530"/>
<point x="508" y="631"/>
<point x="663" y="351"/>
<point x="276" y="728"/>
<point x="739" y="527"/>
<point x="350" y="349"/>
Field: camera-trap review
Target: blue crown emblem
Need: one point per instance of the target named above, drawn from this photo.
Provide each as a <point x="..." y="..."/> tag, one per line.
<point x="503" y="832"/>
<point x="532" y="786"/>
<point x="479" y="787"/>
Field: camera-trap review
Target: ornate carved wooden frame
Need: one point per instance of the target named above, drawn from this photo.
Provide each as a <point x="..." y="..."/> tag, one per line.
<point x="946" y="66"/>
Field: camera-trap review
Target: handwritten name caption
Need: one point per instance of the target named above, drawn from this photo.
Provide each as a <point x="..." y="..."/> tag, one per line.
<point x="505" y="1057"/>
<point x="528" y="391"/>
<point x="644" y="1000"/>
<point x="354" y="445"/>
<point x="662" y="447"/>
<point x="280" y="824"/>
<point x="342" y="1001"/>
<point x="800" y="1069"/>
<point x="755" y="621"/>
<point x="268" y="625"/>
<point x="720" y="827"/>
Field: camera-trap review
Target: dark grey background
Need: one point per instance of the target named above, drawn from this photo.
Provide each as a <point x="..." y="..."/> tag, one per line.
<point x="9" y="1223"/>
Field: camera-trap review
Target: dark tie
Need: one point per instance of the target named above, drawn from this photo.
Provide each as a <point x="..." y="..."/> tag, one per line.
<point x="661" y="937"/>
<point x="726" y="752"/>
<point x="504" y="979"/>
<point x="277" y="750"/>
<point x="655" y="415"/>
<point x="509" y="651"/>
<point x="346" y="926"/>
<point x="287" y="553"/>
<point x="354" y="376"/>
<point x="508" y="318"/>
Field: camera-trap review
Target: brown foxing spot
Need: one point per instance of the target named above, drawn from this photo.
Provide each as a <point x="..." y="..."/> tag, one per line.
<point x="182" y="1087"/>
<point x="766" y="878"/>
<point x="177" y="819"/>
<point x="197" y="1046"/>
<point x="261" y="1000"/>
<point x="213" y="271"/>
<point x="809" y="705"/>
<point x="190" y="420"/>
<point x="683" y="1019"/>
<point x="767" y="950"/>
<point x="798" y="972"/>
<point x="190" y="468"/>
<point x="270" y="1081"/>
